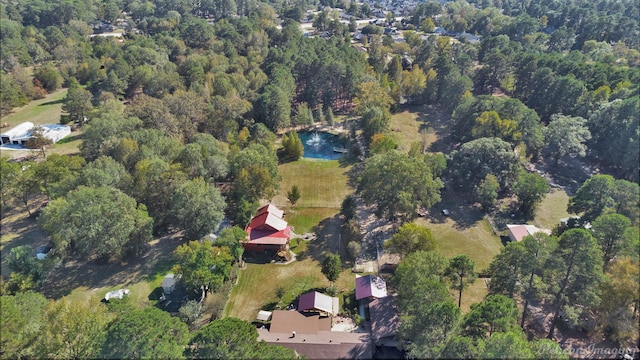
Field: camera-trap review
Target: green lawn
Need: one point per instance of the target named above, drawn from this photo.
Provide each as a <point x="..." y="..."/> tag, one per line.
<point x="256" y="288"/>
<point x="465" y="232"/>
<point x="39" y="112"/>
<point x="552" y="209"/>
<point x="405" y="126"/>
<point x="303" y="220"/>
<point x="477" y="241"/>
<point x="141" y="282"/>
<point x="475" y="293"/>
<point x="321" y="183"/>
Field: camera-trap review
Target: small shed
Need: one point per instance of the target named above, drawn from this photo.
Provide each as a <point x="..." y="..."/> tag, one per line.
<point x="370" y="287"/>
<point x="264" y="315"/>
<point x="168" y="284"/>
<point x="315" y="301"/>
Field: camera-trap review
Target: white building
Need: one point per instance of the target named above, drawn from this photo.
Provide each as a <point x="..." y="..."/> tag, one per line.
<point x="55" y="132"/>
<point x="22" y="132"/>
<point x="18" y="134"/>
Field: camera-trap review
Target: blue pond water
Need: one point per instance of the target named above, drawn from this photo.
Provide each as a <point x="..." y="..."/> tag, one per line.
<point x="320" y="145"/>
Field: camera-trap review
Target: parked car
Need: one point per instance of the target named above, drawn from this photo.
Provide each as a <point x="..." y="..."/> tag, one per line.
<point x="42" y="252"/>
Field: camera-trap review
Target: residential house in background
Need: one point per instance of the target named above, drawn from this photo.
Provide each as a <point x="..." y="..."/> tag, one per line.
<point x="518" y="232"/>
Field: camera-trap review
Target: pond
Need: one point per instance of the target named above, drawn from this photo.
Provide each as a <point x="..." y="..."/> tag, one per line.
<point x="322" y="145"/>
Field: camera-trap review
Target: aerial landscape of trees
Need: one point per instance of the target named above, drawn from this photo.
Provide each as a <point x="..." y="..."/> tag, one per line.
<point x="184" y="114"/>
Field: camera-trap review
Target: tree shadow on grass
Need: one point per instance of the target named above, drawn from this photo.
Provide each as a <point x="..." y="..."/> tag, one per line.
<point x="54" y="102"/>
<point x="463" y="213"/>
<point x="568" y="175"/>
<point x="23" y="230"/>
<point x="69" y="139"/>
<point x="78" y="273"/>
<point x="328" y="239"/>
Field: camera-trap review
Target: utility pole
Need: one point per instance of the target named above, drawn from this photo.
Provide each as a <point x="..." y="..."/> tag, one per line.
<point x="377" y="257"/>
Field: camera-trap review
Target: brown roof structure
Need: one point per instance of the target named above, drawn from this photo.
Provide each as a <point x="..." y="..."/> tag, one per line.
<point x="384" y="318"/>
<point x="285" y="322"/>
<point x="334" y="351"/>
<point x="314" y="338"/>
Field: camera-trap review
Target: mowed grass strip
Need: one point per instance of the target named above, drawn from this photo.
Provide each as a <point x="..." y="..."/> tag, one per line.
<point x="552" y="209"/>
<point x="303" y="220"/>
<point x="473" y="294"/>
<point x="321" y="183"/>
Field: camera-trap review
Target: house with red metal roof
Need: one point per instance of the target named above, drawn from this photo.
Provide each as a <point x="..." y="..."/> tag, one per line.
<point x="370" y="287"/>
<point x="268" y="230"/>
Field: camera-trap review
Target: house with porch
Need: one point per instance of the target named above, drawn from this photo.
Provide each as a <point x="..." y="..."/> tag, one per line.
<point x="268" y="231"/>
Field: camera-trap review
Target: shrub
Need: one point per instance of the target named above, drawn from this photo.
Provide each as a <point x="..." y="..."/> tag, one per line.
<point x="190" y="311"/>
<point x="353" y="249"/>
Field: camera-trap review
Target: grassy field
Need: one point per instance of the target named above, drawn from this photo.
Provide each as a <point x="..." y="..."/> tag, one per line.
<point x="478" y="242"/>
<point x="256" y="288"/>
<point x="552" y="209"/>
<point x="405" y="129"/>
<point x="322" y="184"/>
<point x="303" y="220"/>
<point x="472" y="295"/>
<point x="39" y="112"/>
<point x="465" y="231"/>
<point x="406" y="126"/>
